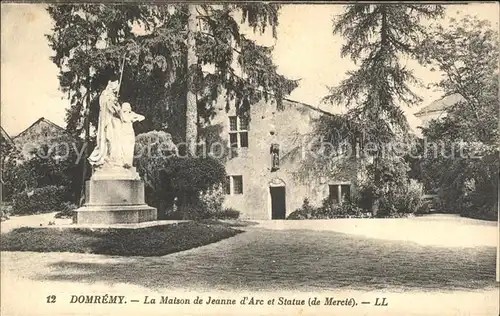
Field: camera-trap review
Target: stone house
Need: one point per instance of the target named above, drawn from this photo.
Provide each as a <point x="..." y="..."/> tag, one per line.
<point x="438" y="109"/>
<point x="265" y="160"/>
<point x="42" y="131"/>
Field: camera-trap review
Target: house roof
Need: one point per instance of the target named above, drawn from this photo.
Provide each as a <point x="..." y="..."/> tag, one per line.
<point x="441" y="105"/>
<point x="309" y="106"/>
<point x="42" y="119"/>
<point x="6" y="136"/>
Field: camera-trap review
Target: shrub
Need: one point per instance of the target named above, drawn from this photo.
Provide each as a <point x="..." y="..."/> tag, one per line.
<point x="53" y="163"/>
<point x="346" y="209"/>
<point x="473" y="207"/>
<point x="5" y="211"/>
<point x="227" y="213"/>
<point x="306" y="211"/>
<point x="328" y="210"/>
<point x="68" y="210"/>
<point x="212" y="198"/>
<point x="365" y="196"/>
<point x="46" y="199"/>
<point x="408" y="200"/>
<point x="180" y="188"/>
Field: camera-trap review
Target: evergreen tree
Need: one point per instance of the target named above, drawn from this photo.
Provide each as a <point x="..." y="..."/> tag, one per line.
<point x="376" y="38"/>
<point x="166" y="47"/>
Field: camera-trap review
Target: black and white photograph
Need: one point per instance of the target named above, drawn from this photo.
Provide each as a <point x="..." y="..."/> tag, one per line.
<point x="251" y="158"/>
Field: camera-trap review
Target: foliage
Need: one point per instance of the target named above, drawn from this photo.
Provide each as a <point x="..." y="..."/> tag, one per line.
<point x="331" y="150"/>
<point x="7" y="149"/>
<point x="212" y="198"/>
<point x="227" y="213"/>
<point x="90" y="42"/>
<point x="328" y="210"/>
<point x="397" y="201"/>
<point x="409" y="199"/>
<point x="151" y="241"/>
<point x="346" y="209"/>
<point x="53" y="162"/>
<point x="17" y="175"/>
<point x="306" y="211"/>
<point x="68" y="210"/>
<point x="5" y="211"/>
<point x="45" y="199"/>
<point x="465" y="170"/>
<point x="185" y="187"/>
<point x="376" y="37"/>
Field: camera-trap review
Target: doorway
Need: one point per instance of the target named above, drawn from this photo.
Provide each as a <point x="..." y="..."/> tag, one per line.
<point x="278" y="202"/>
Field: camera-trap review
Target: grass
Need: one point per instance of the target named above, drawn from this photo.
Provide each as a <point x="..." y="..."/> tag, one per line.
<point x="151" y="241"/>
<point x="274" y="260"/>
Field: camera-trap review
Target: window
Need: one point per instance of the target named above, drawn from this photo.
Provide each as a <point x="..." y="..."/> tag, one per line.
<point x="334" y="193"/>
<point x="238" y="132"/>
<point x="234" y="185"/>
<point x="339" y="193"/>
<point x="238" y="184"/>
<point x="345" y="192"/>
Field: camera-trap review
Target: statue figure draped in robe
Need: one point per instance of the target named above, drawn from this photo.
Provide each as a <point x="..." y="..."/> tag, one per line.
<point x="107" y="148"/>
<point x="128" y="136"/>
<point x="115" y="134"/>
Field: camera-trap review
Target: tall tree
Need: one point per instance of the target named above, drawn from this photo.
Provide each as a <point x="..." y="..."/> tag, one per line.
<point x="466" y="176"/>
<point x="467" y="54"/>
<point x="192" y="63"/>
<point x="159" y="77"/>
<point x="376" y="38"/>
<point x="79" y="30"/>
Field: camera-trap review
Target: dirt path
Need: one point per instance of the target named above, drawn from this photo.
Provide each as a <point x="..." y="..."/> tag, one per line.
<point x="305" y="260"/>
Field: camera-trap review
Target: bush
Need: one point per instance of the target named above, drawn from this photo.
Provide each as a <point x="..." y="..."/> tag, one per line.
<point x="180" y="188"/>
<point x="212" y="198"/>
<point x="409" y="200"/>
<point x="46" y="199"/>
<point x="68" y="210"/>
<point x="5" y="211"/>
<point x="227" y="213"/>
<point x="328" y="210"/>
<point x="306" y="211"/>
<point x="473" y="207"/>
<point x="52" y="164"/>
<point x="346" y="209"/>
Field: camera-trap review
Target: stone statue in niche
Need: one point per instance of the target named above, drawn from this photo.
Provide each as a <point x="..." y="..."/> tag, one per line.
<point x="275" y="157"/>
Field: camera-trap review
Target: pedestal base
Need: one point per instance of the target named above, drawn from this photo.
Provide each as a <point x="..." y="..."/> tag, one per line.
<point x="114" y="201"/>
<point x="124" y="214"/>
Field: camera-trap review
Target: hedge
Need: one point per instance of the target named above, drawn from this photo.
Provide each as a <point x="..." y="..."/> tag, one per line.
<point x="46" y="199"/>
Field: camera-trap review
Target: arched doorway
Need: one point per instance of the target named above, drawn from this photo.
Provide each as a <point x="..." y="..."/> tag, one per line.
<point x="277" y="192"/>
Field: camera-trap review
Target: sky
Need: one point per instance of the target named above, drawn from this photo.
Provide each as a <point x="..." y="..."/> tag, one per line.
<point x="305" y="49"/>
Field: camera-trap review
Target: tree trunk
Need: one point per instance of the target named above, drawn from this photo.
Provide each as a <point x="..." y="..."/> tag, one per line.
<point x="377" y="181"/>
<point x="86" y="145"/>
<point x="498" y="246"/>
<point x="191" y="106"/>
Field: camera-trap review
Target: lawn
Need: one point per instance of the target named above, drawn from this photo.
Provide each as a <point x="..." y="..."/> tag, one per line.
<point x="151" y="241"/>
<point x="270" y="260"/>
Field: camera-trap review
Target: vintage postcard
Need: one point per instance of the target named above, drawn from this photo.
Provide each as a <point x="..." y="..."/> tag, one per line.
<point x="249" y="158"/>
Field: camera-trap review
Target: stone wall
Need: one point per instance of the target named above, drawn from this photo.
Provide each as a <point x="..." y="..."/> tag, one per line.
<point x="42" y="132"/>
<point x="267" y="126"/>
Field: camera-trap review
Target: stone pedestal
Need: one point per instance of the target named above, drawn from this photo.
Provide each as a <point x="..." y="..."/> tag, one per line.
<point x="115" y="198"/>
